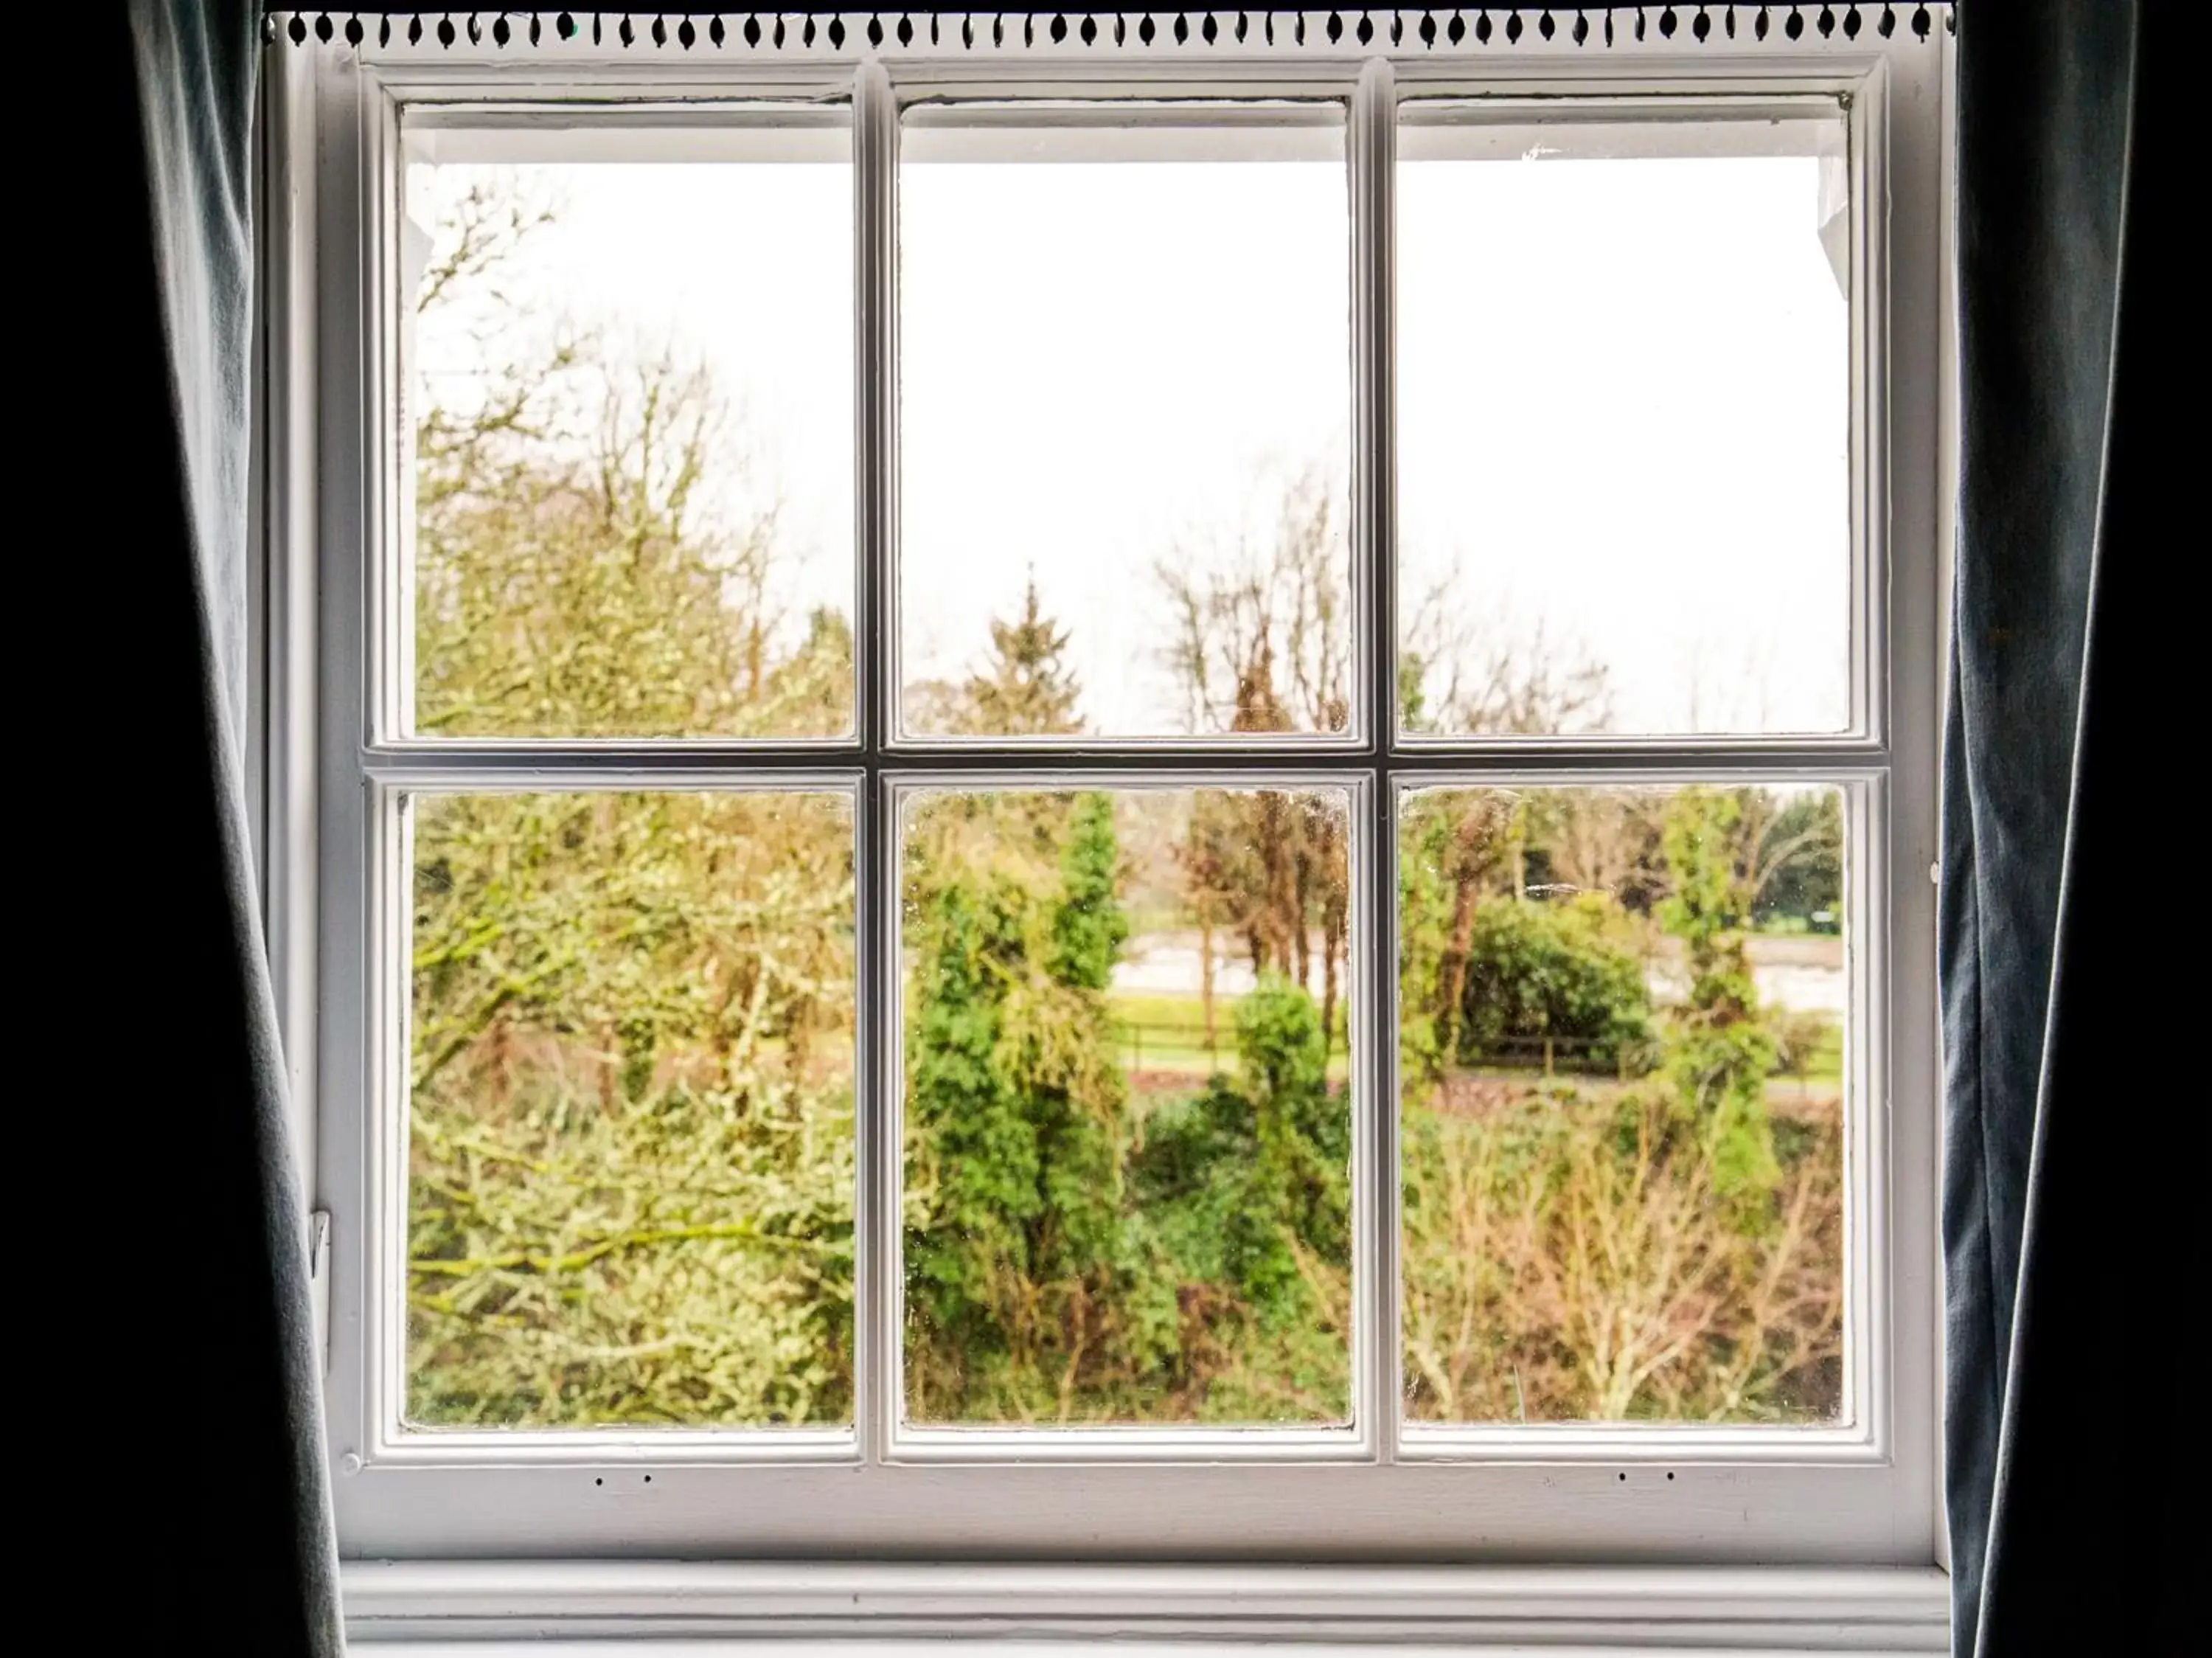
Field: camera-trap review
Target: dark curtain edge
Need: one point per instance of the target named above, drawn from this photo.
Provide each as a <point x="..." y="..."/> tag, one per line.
<point x="2066" y="1211"/>
<point x="249" y="1540"/>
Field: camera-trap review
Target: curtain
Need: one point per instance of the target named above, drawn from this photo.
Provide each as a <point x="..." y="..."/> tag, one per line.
<point x="2064" y="1153"/>
<point x="242" y="1494"/>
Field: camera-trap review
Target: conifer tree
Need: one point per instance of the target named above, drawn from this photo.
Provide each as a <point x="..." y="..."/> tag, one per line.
<point x="1721" y="1053"/>
<point x="1026" y="690"/>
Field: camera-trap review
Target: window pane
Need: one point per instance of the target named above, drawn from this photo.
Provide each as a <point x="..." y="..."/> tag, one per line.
<point x="1125" y="468"/>
<point x="630" y="1129"/>
<point x="633" y="423"/>
<point x="1128" y="1129"/>
<point x="1621" y="1055"/>
<point x="1624" y="397"/>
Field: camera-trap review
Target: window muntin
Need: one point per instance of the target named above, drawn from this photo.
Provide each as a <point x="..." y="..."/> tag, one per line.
<point x="1487" y="1478"/>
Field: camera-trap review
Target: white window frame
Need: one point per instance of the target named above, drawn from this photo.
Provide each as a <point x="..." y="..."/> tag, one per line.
<point x="1852" y="1511"/>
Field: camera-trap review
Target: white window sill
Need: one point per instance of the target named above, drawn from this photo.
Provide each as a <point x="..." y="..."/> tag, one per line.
<point x="849" y="1611"/>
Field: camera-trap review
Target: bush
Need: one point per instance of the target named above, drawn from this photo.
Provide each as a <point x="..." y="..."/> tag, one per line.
<point x="1246" y="1187"/>
<point x="1548" y="969"/>
<point x="1566" y="1260"/>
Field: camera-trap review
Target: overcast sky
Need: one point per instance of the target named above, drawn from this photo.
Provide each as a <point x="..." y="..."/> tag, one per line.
<point x="1623" y="394"/>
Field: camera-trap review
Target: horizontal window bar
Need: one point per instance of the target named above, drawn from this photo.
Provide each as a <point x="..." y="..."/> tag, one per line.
<point x="1130" y="1445"/>
<point x="1613" y="1442"/>
<point x="811" y="764"/>
<point x="567" y="1447"/>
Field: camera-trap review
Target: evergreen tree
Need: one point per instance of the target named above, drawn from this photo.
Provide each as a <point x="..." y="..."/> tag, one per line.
<point x="1721" y="1054"/>
<point x="1027" y="691"/>
<point x="1089" y="927"/>
<point x="972" y="1125"/>
<point x="1020" y="1264"/>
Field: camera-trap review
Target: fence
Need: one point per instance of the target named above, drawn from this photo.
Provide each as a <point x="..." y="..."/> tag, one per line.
<point x="1183" y="1044"/>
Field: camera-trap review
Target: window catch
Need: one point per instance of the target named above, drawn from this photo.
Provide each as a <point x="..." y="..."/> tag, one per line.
<point x="319" y="1282"/>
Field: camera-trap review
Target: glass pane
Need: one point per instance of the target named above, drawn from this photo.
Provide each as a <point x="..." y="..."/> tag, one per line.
<point x="1127" y="1128"/>
<point x="630" y="1126"/>
<point x="1621" y="1050"/>
<point x="1623" y="399"/>
<point x="631" y="387"/>
<point x="1125" y="469"/>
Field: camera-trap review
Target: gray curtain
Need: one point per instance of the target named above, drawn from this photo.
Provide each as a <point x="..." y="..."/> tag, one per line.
<point x="2068" y="1163"/>
<point x="247" y="1530"/>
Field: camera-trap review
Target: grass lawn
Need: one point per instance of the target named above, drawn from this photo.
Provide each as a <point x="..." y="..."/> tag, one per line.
<point x="1153" y="1032"/>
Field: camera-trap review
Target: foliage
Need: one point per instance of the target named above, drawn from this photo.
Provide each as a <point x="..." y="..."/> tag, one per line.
<point x="1719" y="1054"/>
<point x="571" y="578"/>
<point x="1601" y="1250"/>
<point x="1013" y="1245"/>
<point x="631" y="1085"/>
<point x="1800" y="864"/>
<point x="1088" y="926"/>
<point x="630" y="1170"/>
<point x="1066" y="1260"/>
<point x="630" y="1118"/>
<point x="1537" y="971"/>
<point x="1565" y="1261"/>
<point x="1247" y="1189"/>
<point x="1027" y="691"/>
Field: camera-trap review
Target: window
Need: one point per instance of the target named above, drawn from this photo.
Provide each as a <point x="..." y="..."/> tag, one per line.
<point x="1151" y="800"/>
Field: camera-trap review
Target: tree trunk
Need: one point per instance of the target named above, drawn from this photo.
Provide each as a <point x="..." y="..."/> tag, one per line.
<point x="1332" y="930"/>
<point x="1206" y="978"/>
<point x="1451" y="976"/>
<point x="1333" y="923"/>
<point x="1277" y="917"/>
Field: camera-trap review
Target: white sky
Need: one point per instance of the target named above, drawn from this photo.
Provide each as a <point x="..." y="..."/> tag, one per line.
<point x="1623" y="394"/>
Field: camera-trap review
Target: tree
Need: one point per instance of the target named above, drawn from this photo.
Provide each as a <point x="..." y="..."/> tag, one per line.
<point x="630" y="1101"/>
<point x="1026" y="690"/>
<point x="1547" y="973"/>
<point x="1451" y="679"/>
<point x="1261" y="644"/>
<point x="1461" y="675"/>
<point x="1259" y="634"/>
<point x="1088" y="926"/>
<point x="1579" y="1247"/>
<point x="1720" y="1055"/>
<point x="1798" y="865"/>
<point x="1249" y="1183"/>
<point x="1018" y="1257"/>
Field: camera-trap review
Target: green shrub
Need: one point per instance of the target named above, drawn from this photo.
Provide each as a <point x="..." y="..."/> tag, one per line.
<point x="1548" y="969"/>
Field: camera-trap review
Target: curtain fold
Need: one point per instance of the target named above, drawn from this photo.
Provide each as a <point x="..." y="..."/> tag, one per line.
<point x="2062" y="1183"/>
<point x="248" y="1534"/>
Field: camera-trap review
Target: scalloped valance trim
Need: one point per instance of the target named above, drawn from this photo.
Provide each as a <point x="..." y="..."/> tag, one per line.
<point x="1425" y="29"/>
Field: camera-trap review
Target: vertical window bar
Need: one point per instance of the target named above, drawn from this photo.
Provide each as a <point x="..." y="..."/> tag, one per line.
<point x="875" y="362"/>
<point x="1372" y="150"/>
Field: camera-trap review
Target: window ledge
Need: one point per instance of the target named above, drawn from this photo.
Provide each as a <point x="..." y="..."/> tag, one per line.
<point x="428" y="1606"/>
